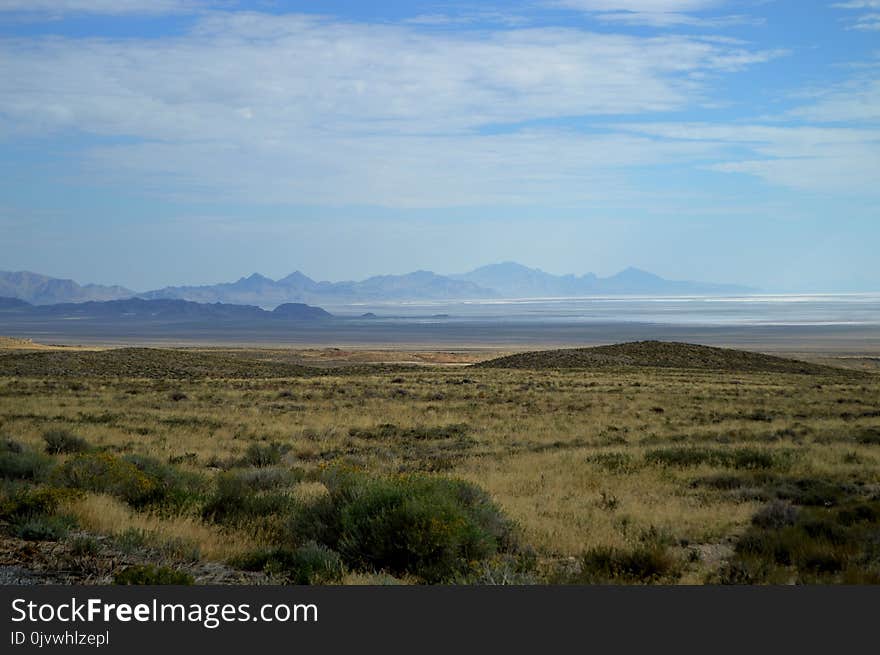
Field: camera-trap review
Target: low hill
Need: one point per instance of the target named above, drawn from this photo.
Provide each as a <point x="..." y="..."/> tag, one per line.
<point x="300" y="311"/>
<point x="144" y="363"/>
<point x="13" y="303"/>
<point x="158" y="310"/>
<point x="656" y="354"/>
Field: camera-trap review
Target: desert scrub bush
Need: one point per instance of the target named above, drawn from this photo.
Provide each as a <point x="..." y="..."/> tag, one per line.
<point x="802" y="491"/>
<point x="869" y="437"/>
<point x="84" y="545"/>
<point x="10" y="445"/>
<point x="260" y="455"/>
<point x="175" y="488"/>
<point x="649" y="563"/>
<point x="309" y="564"/>
<point x="106" y="473"/>
<point x="19" y="463"/>
<point x="506" y="569"/>
<point x="43" y="527"/>
<point x="137" y="480"/>
<point x="392" y="431"/>
<point x="814" y="545"/>
<point x="264" y="479"/>
<point x="148" y="574"/>
<point x="152" y="545"/>
<point x="776" y="515"/>
<point x="738" y="458"/>
<point x="33" y="511"/>
<point x="63" y="442"/>
<point x="19" y="500"/>
<point x="434" y="528"/>
<point x="243" y="499"/>
<point x="615" y="462"/>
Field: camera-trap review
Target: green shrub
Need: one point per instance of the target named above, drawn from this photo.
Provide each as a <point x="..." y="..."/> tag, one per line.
<point x="434" y="528"/>
<point x="386" y="431"/>
<point x="615" y="462"/>
<point x="131" y="540"/>
<point x="240" y="498"/>
<point x="136" y="479"/>
<point x="150" y="544"/>
<point x="310" y="564"/>
<point x="869" y="437"/>
<point x="739" y="458"/>
<point x="148" y="574"/>
<point x="814" y="492"/>
<point x="811" y="545"/>
<point x="174" y="487"/>
<point x="264" y="454"/>
<point x="84" y="546"/>
<point x="106" y="473"/>
<point x="62" y="442"/>
<point x="644" y="564"/>
<point x="18" y="463"/>
<point x="775" y="515"/>
<point x="10" y="446"/>
<point x="21" y="501"/>
<point x="268" y="478"/>
<point x="43" y="527"/>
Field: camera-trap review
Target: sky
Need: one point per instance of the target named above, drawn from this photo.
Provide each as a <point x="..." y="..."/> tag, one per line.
<point x="157" y="142"/>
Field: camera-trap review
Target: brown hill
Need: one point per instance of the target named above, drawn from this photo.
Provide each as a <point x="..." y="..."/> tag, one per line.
<point x="143" y="363"/>
<point x="656" y="354"/>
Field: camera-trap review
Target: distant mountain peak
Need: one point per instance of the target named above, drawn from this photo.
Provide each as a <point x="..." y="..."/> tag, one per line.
<point x="256" y="277"/>
<point x="631" y="272"/>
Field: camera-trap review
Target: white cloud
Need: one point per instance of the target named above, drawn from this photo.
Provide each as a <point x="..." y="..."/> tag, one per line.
<point x="640" y="6"/>
<point x="298" y="73"/>
<point x="857" y="100"/>
<point x="670" y="19"/>
<point x="655" y="13"/>
<point x="109" y="7"/>
<point x="560" y="167"/>
<point x="811" y="159"/>
<point x="303" y="109"/>
<point x="866" y="22"/>
<point x="468" y="17"/>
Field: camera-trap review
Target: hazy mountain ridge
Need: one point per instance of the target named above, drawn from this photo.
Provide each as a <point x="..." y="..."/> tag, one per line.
<point x="504" y="280"/>
<point x="161" y="310"/>
<point x="298" y="287"/>
<point x="44" y="290"/>
<point x="515" y="280"/>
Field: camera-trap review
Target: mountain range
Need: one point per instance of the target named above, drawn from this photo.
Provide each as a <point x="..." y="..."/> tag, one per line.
<point x="505" y="280"/>
<point x="160" y="310"/>
<point x="44" y="290"/>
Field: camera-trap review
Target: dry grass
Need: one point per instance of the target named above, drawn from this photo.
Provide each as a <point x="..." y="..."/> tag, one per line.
<point x="563" y="452"/>
<point x="105" y="515"/>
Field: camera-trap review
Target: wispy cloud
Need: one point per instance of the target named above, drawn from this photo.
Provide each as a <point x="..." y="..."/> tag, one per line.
<point x="853" y="101"/>
<point x="834" y="160"/>
<point x="469" y="17"/>
<point x="107" y="7"/>
<point x="326" y="111"/>
<point x="656" y="13"/>
<point x="869" y="21"/>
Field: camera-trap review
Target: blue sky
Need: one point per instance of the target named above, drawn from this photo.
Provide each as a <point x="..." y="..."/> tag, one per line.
<point x="154" y="142"/>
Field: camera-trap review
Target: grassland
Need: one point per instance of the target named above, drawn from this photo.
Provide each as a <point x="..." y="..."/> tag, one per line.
<point x="636" y="464"/>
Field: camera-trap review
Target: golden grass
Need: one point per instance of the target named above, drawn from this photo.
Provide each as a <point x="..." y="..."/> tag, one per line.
<point x="102" y="514"/>
<point x="530" y="437"/>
